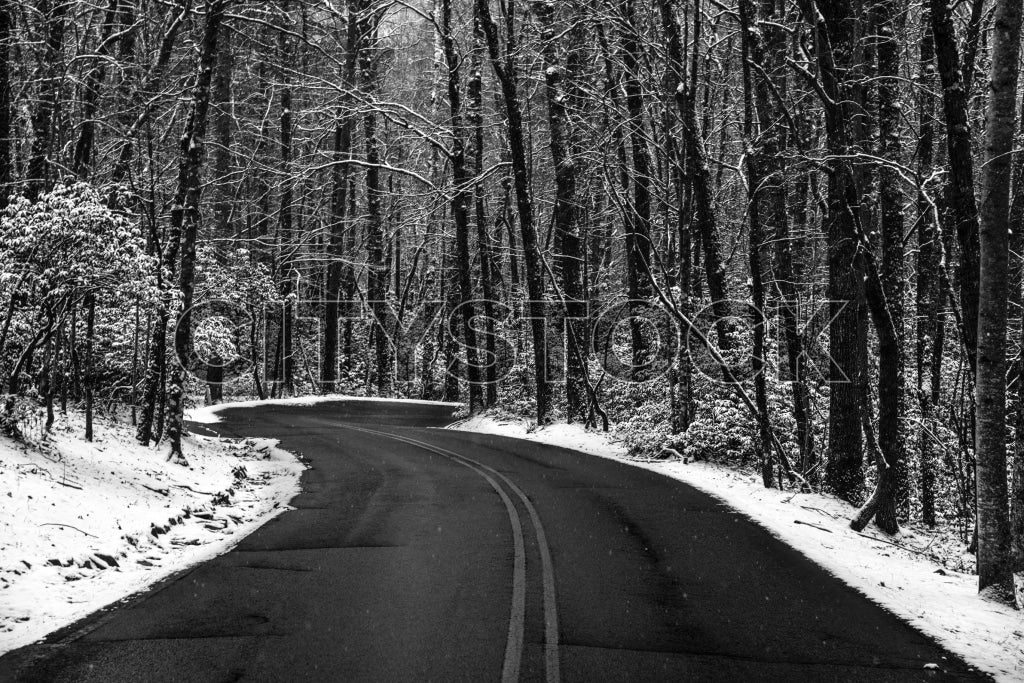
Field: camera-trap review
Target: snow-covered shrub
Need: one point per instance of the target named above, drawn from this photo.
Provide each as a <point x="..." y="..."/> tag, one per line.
<point x="517" y="393"/>
<point x="57" y="254"/>
<point x="647" y="426"/>
<point x="17" y="411"/>
<point x="214" y="338"/>
<point x="723" y="427"/>
<point x="69" y="244"/>
<point x="235" y="275"/>
<point x="234" y="291"/>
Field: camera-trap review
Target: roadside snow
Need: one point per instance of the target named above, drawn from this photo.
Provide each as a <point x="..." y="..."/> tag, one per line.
<point x="208" y="414"/>
<point x="937" y="600"/>
<point x="83" y="525"/>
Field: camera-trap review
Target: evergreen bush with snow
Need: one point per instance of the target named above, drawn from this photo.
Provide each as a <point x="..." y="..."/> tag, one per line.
<point x="57" y="254"/>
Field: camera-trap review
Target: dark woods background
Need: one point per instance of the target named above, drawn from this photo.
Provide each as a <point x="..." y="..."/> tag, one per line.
<point x="801" y="220"/>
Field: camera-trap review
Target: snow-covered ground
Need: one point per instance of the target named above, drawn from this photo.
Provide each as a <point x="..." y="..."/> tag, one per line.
<point x="909" y="574"/>
<point x="83" y="525"/>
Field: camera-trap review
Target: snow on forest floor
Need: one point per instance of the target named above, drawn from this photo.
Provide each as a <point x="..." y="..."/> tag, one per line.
<point x="83" y="525"/>
<point x="913" y="575"/>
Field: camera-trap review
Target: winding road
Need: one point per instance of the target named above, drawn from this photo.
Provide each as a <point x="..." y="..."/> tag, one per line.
<point x="424" y="554"/>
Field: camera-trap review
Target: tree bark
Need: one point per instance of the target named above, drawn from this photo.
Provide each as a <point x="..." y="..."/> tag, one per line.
<point x="38" y="173"/>
<point x="377" y="279"/>
<point x="223" y="116"/>
<point x="776" y="133"/>
<point x="703" y="205"/>
<point x="1016" y="315"/>
<point x="889" y="25"/>
<point x="680" y="379"/>
<point x="757" y="156"/>
<point x="566" y="210"/>
<point x="81" y="166"/>
<point x="928" y="262"/>
<point x="462" y="192"/>
<point x="995" y="578"/>
<point x="962" y="204"/>
<point x="90" y="363"/>
<point x="834" y="48"/>
<point x="185" y="219"/>
<point x="504" y="65"/>
<point x="489" y="268"/>
<point x="286" y="233"/>
<point x="153" y="82"/>
<point x="339" y="265"/>
<point x="6" y="33"/>
<point x="638" y="227"/>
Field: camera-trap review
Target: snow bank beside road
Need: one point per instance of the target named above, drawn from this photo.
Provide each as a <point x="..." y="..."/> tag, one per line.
<point x="902" y="578"/>
<point x="83" y="525"/>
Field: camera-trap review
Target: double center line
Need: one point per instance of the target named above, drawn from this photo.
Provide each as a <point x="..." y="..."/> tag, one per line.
<point x="517" y="614"/>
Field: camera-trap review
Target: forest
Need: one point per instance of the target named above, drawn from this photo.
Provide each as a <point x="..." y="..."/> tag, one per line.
<point x="782" y="234"/>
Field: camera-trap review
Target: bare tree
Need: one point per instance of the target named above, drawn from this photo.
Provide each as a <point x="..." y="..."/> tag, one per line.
<point x="185" y="219"/>
<point x="503" y="61"/>
<point x="995" y="577"/>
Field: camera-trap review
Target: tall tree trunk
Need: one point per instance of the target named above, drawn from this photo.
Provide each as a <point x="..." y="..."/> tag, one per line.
<point x="156" y="365"/>
<point x="447" y="337"/>
<point x="972" y="40"/>
<point x="38" y="172"/>
<point x="681" y="381"/>
<point x="222" y="233"/>
<point x="6" y="32"/>
<point x="286" y="233"/>
<point x="1016" y="315"/>
<point x="703" y="204"/>
<point x="223" y="116"/>
<point x="756" y="152"/>
<point x="462" y="192"/>
<point x="928" y="262"/>
<point x="889" y="452"/>
<point x="489" y="269"/>
<point x="82" y="163"/>
<point x="566" y="212"/>
<point x="185" y="219"/>
<point x="995" y="577"/>
<point x="1017" y="488"/>
<point x="776" y="145"/>
<point x="504" y="65"/>
<point x="336" y="251"/>
<point x="153" y="82"/>
<point x="834" y="48"/>
<point x="90" y="362"/>
<point x="638" y="229"/>
<point x="339" y="267"/>
<point x="51" y="374"/>
<point x="890" y="25"/>
<point x="377" y="279"/>
<point x="881" y="505"/>
<point x="962" y="204"/>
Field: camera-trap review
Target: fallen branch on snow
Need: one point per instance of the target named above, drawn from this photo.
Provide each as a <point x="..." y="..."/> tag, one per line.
<point x="901" y="547"/>
<point x="162" y="492"/>
<point x="202" y="493"/>
<point x="68" y="526"/>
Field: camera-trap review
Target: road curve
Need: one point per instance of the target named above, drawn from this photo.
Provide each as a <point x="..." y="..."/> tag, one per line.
<point x="424" y="554"/>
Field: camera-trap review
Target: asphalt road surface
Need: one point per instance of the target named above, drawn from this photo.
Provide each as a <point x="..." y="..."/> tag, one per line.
<point x="425" y="554"/>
